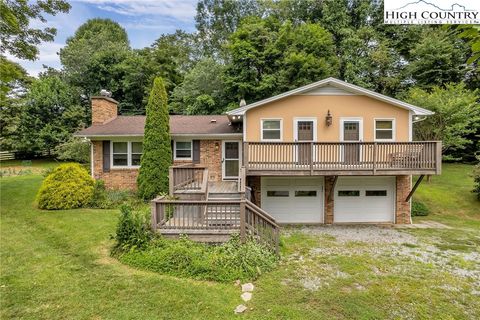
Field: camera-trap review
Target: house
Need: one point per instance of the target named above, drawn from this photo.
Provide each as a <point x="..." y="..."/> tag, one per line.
<point x="328" y="152"/>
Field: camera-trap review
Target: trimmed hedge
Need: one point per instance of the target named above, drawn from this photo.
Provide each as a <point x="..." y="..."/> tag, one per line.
<point x="68" y="186"/>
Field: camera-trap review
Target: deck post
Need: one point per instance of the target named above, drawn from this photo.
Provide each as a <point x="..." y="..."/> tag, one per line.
<point x="242" y="221"/>
<point x="414" y="187"/>
<point x="170" y="181"/>
<point x="438" y="158"/>
<point x="153" y="206"/>
<point x="245" y="155"/>
<point x="311" y="158"/>
<point x="374" y="158"/>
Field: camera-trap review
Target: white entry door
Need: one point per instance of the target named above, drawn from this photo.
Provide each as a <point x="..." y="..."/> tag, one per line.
<point x="230" y="159"/>
<point x="293" y="200"/>
<point x="364" y="199"/>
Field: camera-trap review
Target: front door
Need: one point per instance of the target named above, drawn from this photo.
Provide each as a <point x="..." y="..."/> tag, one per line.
<point x="230" y="159"/>
<point x="304" y="134"/>
<point x="351" y="133"/>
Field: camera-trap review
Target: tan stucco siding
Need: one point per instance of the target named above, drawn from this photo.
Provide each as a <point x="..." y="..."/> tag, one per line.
<point x="317" y="107"/>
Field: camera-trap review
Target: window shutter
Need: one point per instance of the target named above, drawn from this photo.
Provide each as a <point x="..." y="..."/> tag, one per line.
<point x="106" y="156"/>
<point x="196" y="151"/>
<point x="173" y="149"/>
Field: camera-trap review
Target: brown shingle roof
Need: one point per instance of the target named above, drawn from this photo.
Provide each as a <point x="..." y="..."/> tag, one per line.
<point x="134" y="125"/>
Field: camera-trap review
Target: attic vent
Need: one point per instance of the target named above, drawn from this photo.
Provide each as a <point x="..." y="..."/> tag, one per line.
<point x="213" y="121"/>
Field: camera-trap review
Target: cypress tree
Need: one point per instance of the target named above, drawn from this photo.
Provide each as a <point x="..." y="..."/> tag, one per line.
<point x="157" y="154"/>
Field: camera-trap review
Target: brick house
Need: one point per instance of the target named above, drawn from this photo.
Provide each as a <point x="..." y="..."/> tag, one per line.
<point x="328" y="152"/>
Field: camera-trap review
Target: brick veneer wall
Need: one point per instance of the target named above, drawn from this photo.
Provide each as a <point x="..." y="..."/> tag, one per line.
<point x="210" y="156"/>
<point x="328" y="209"/>
<point x="116" y="178"/>
<point x="104" y="109"/>
<point x="403" y="209"/>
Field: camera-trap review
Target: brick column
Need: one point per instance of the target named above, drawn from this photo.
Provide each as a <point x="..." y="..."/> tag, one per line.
<point x="404" y="186"/>
<point x="211" y="156"/>
<point x="328" y="209"/>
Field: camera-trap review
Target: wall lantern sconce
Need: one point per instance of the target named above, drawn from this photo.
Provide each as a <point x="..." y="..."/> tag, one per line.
<point x="328" y="118"/>
<point x="217" y="145"/>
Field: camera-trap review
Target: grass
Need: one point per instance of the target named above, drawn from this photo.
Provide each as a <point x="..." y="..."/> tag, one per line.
<point x="55" y="265"/>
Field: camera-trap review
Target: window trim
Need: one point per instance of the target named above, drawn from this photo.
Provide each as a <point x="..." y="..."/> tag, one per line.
<point x="375" y="129"/>
<point x="175" y="150"/>
<point x="271" y="119"/>
<point x="129" y="155"/>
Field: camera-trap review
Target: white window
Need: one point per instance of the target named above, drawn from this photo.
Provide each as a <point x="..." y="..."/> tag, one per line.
<point x="126" y="154"/>
<point x="384" y="129"/>
<point x="137" y="150"/>
<point x="271" y="129"/>
<point x="183" y="150"/>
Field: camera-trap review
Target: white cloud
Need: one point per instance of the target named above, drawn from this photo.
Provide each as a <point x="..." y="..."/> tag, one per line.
<point x="48" y="55"/>
<point x="178" y="9"/>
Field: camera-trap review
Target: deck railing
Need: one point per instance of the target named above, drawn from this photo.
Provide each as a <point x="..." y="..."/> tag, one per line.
<point x="215" y="217"/>
<point x="367" y="157"/>
<point x="188" y="177"/>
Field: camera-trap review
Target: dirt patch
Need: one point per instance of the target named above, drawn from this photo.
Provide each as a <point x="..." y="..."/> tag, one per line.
<point x="423" y="225"/>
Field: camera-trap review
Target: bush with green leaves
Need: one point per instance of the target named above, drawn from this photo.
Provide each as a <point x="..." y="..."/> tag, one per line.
<point x="75" y="149"/>
<point x="476" y="178"/>
<point x="133" y="230"/>
<point x="419" y="209"/>
<point x="185" y="258"/>
<point x="104" y="198"/>
<point x="68" y="186"/>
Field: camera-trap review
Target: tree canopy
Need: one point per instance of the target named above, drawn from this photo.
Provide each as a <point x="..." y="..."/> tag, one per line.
<point x="249" y="49"/>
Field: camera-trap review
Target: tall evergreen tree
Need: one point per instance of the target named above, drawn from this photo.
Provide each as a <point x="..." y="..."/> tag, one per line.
<point x="157" y="154"/>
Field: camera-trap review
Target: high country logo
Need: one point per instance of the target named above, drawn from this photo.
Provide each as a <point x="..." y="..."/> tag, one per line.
<point x="431" y="12"/>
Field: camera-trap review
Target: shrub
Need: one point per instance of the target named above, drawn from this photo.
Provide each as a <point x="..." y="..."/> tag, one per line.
<point x="419" y="209"/>
<point x="110" y="199"/>
<point x="476" y="178"/>
<point x="185" y="258"/>
<point x="68" y="186"/>
<point x="133" y="230"/>
<point x="76" y="149"/>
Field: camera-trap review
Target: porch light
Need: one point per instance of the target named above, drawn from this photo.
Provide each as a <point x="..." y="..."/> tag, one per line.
<point x="328" y="118"/>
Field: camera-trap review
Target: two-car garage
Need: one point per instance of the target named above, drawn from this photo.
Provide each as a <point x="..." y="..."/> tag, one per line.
<point x="356" y="199"/>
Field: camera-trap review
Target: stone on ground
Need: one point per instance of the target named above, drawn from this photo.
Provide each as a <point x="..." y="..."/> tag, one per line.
<point x="240" y="308"/>
<point x="247" y="287"/>
<point x="246" y="296"/>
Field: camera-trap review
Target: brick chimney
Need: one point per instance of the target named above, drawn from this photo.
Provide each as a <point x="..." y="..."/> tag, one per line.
<point x="104" y="109"/>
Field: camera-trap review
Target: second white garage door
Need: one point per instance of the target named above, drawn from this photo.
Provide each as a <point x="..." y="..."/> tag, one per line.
<point x="293" y="200"/>
<point x="364" y="199"/>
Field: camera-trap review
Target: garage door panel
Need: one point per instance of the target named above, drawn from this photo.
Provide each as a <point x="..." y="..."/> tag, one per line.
<point x="377" y="207"/>
<point x="304" y="203"/>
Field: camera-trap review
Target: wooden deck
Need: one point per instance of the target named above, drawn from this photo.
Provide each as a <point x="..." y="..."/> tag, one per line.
<point x="342" y="158"/>
<point x="223" y="186"/>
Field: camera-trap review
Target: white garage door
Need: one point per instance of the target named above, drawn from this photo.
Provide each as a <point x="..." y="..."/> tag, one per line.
<point x="293" y="200"/>
<point x="364" y="199"/>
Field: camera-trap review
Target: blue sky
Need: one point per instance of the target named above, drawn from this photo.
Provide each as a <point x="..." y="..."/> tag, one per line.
<point x="144" y="21"/>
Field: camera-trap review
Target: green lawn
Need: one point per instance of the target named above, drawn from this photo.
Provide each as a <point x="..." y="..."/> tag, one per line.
<point x="55" y="265"/>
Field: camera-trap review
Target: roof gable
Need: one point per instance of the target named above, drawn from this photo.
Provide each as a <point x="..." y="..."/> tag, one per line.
<point x="332" y="86"/>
